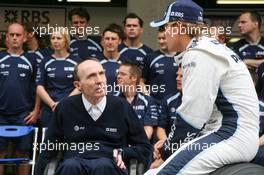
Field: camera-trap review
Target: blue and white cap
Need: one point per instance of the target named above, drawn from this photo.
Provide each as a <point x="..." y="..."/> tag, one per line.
<point x="182" y="10"/>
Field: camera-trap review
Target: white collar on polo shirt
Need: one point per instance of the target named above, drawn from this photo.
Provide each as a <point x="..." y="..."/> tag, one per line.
<point x="101" y="105"/>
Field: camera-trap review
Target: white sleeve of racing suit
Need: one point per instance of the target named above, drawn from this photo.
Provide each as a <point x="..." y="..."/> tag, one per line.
<point x="202" y="74"/>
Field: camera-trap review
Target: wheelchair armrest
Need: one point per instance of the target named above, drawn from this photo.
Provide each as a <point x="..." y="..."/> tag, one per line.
<point x="136" y="168"/>
<point x="52" y="166"/>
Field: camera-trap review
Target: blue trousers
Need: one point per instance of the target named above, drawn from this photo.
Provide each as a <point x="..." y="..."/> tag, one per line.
<point x="259" y="159"/>
<point x="98" y="166"/>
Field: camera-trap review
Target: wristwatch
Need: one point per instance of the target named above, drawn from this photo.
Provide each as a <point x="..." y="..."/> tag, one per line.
<point x="120" y="151"/>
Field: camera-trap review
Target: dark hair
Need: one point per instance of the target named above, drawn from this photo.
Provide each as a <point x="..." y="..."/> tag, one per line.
<point x="162" y="29"/>
<point x="32" y="27"/>
<point x="254" y="16"/>
<point x="82" y="12"/>
<point x="115" y="28"/>
<point x="133" y="15"/>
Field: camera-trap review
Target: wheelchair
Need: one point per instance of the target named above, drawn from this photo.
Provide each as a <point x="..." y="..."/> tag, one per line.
<point x="14" y="131"/>
<point x="135" y="168"/>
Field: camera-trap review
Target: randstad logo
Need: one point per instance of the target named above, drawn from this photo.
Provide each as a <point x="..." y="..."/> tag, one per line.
<point x="177" y="14"/>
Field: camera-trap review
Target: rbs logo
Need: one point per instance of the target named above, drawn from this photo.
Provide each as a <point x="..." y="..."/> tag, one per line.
<point x="41" y="17"/>
<point x="177" y="14"/>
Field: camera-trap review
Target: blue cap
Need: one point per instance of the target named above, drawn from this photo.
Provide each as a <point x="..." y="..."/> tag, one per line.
<point x="182" y="10"/>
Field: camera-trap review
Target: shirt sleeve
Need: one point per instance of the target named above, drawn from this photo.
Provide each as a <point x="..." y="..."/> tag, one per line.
<point x="163" y="120"/>
<point x="140" y="147"/>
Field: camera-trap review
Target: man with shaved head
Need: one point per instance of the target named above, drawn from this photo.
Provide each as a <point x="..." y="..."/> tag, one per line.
<point x="17" y="77"/>
<point x="95" y="129"/>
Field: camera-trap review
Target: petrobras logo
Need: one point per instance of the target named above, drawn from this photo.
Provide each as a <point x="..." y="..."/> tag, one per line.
<point x="177" y="14"/>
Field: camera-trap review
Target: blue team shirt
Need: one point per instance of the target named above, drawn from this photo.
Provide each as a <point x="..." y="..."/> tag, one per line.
<point x="168" y="111"/>
<point x="145" y="108"/>
<point x="85" y="48"/>
<point x="136" y="55"/>
<point x="56" y="75"/>
<point x="39" y="54"/>
<point x="160" y="71"/>
<point x="260" y="82"/>
<point x="17" y="77"/>
<point x="111" y="68"/>
<point x="246" y="50"/>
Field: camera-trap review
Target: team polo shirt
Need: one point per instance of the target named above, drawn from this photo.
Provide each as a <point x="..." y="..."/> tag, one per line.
<point x="84" y="48"/>
<point x="39" y="54"/>
<point x="56" y="75"/>
<point x="17" y="77"/>
<point x="160" y="73"/>
<point x="245" y="50"/>
<point x="168" y="111"/>
<point x="261" y="113"/>
<point x="136" y="55"/>
<point x="145" y="108"/>
<point x="111" y="67"/>
<point x="260" y="82"/>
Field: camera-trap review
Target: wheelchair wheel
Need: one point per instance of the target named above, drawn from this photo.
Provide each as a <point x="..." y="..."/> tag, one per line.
<point x="240" y="169"/>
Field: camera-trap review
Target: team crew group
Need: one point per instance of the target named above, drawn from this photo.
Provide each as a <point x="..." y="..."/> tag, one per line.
<point x="143" y="87"/>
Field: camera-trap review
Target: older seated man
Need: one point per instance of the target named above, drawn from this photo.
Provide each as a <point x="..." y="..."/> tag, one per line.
<point x="99" y="133"/>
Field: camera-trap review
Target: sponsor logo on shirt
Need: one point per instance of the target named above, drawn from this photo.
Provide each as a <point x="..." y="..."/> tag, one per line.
<point x="5" y="73"/>
<point x="139" y="58"/>
<point x="51" y="75"/>
<point x="191" y="64"/>
<point x="70" y="76"/>
<point x="157" y="65"/>
<point x="78" y="128"/>
<point x="172" y="109"/>
<point x="51" y="69"/>
<point x="73" y="49"/>
<point x="160" y="71"/>
<point x="92" y="48"/>
<point x="111" y="129"/>
<point x="2" y="66"/>
<point x="260" y="53"/>
<point x="139" y="107"/>
<point x="245" y="53"/>
<point x="23" y="66"/>
<point x="22" y="75"/>
<point x="69" y="69"/>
